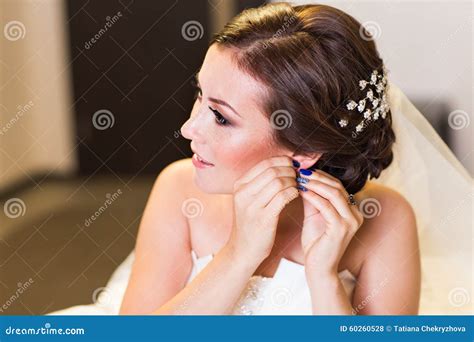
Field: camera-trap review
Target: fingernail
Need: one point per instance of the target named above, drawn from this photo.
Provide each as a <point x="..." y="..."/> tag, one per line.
<point x="306" y="172"/>
<point x="302" y="180"/>
<point x="296" y="164"/>
<point x="302" y="188"/>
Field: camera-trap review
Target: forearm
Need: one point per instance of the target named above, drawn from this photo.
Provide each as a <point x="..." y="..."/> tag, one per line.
<point x="328" y="296"/>
<point x="215" y="290"/>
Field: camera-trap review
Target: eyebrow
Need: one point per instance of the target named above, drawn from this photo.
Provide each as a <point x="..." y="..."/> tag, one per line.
<point x="218" y="101"/>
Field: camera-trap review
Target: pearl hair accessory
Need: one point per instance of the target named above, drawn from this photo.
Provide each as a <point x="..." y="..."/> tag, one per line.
<point x="378" y="100"/>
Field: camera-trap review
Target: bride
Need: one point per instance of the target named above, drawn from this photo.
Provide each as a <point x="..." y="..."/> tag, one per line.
<point x="277" y="212"/>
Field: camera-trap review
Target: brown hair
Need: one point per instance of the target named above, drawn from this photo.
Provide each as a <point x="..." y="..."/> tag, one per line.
<point x="311" y="58"/>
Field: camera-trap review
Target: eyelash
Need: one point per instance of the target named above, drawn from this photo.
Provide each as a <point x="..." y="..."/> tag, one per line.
<point x="220" y="119"/>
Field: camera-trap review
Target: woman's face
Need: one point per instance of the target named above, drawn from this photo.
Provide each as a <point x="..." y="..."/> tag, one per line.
<point x="227" y="127"/>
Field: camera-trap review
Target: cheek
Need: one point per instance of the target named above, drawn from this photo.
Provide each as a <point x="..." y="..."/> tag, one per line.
<point x="238" y="155"/>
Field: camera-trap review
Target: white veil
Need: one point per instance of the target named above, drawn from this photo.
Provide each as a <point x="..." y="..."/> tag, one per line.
<point x="441" y="192"/>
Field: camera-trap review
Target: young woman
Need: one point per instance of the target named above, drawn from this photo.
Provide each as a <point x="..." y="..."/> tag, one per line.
<point x="275" y="212"/>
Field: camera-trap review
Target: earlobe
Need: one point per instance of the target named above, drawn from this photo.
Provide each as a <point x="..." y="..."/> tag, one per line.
<point x="305" y="161"/>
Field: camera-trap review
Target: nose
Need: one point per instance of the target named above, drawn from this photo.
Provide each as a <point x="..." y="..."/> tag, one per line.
<point x="190" y="129"/>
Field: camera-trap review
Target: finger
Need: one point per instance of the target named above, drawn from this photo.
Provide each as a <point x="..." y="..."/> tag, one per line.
<point x="323" y="177"/>
<point x="325" y="174"/>
<point x="272" y="189"/>
<point x="334" y="195"/>
<point x="281" y="199"/>
<point x="259" y="183"/>
<point x="326" y="209"/>
<point x="260" y="167"/>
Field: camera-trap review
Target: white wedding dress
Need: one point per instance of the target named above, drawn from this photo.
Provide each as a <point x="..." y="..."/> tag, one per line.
<point x="286" y="293"/>
<point x="441" y="193"/>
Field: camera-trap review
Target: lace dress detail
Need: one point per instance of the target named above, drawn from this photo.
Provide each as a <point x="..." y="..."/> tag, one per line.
<point x="286" y="293"/>
<point x="252" y="298"/>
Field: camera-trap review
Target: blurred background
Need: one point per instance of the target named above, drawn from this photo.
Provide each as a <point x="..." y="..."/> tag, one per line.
<point x="92" y="96"/>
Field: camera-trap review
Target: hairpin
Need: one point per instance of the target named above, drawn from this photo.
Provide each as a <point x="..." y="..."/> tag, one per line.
<point x="377" y="99"/>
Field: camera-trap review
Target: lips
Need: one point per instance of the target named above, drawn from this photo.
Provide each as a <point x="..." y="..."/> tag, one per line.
<point x="201" y="159"/>
<point x="204" y="161"/>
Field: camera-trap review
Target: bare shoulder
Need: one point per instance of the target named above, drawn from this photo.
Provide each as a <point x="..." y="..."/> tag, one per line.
<point x="178" y="172"/>
<point x="163" y="242"/>
<point x="390" y="263"/>
<point x="382" y="205"/>
<point x="389" y="222"/>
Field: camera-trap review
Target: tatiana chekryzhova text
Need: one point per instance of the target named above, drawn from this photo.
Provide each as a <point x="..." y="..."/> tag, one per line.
<point x="428" y="328"/>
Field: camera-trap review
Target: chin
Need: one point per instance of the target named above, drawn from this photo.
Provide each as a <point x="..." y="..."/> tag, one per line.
<point x="210" y="186"/>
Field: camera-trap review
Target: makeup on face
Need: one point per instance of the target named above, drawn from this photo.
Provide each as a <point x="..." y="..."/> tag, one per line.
<point x="200" y="163"/>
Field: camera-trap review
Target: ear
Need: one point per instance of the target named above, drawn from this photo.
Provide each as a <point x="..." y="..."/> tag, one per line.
<point x="306" y="160"/>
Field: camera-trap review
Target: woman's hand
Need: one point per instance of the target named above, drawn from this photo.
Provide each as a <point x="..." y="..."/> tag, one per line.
<point x="329" y="223"/>
<point x="259" y="197"/>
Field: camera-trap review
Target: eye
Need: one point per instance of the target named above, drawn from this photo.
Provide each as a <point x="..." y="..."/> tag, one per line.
<point x="219" y="118"/>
